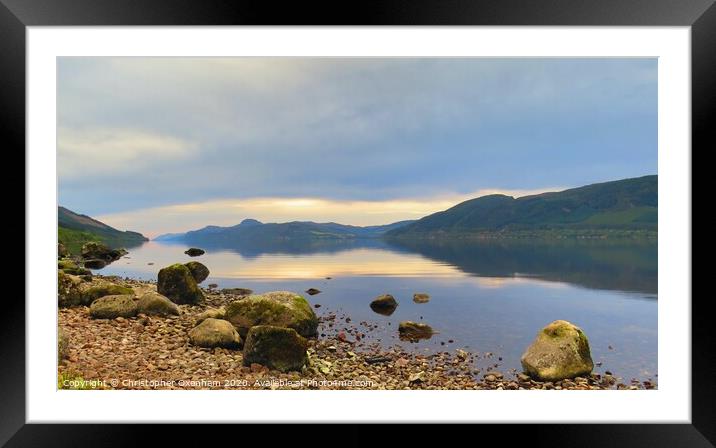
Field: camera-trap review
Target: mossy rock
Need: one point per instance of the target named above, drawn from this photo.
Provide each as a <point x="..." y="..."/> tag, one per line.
<point x="198" y="271"/>
<point x="155" y="304"/>
<point x="215" y="333"/>
<point x="63" y="345"/>
<point x="177" y="283"/>
<point x="276" y="348"/>
<point x="111" y="307"/>
<point x="68" y="290"/>
<point x="94" y="249"/>
<point x="69" y="266"/>
<point x="62" y="251"/>
<point x="211" y="313"/>
<point x="560" y="351"/>
<point x="414" y="331"/>
<point x="279" y="309"/>
<point x="94" y="290"/>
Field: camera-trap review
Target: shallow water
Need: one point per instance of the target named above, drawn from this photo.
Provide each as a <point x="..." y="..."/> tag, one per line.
<point x="485" y="297"/>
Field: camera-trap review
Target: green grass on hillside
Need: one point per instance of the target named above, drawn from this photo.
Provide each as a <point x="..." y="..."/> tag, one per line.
<point x="74" y="239"/>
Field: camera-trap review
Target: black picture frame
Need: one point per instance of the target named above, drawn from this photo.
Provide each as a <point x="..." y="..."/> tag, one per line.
<point x="16" y="15"/>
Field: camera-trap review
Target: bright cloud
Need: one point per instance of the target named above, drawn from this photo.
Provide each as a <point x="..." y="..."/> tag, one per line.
<point x="88" y="152"/>
<point x="228" y="212"/>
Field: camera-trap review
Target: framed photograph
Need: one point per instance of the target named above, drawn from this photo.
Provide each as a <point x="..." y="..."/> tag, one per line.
<point x="484" y="217"/>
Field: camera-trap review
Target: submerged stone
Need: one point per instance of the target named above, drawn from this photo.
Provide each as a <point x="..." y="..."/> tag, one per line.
<point x="414" y="331"/>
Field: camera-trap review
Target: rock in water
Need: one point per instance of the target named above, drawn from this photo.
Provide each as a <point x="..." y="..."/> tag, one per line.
<point x="177" y="283"/>
<point x="155" y="304"/>
<point x="237" y="291"/>
<point x="276" y="348"/>
<point x="215" y="333"/>
<point x="111" y="307"/>
<point x="414" y="331"/>
<point x="95" y="263"/>
<point x="279" y="309"/>
<point x="94" y="250"/>
<point x="96" y="289"/>
<point x="194" y="252"/>
<point x="421" y="297"/>
<point x="561" y="350"/>
<point x="312" y="291"/>
<point x="384" y="304"/>
<point x="198" y="271"/>
<point x="68" y="290"/>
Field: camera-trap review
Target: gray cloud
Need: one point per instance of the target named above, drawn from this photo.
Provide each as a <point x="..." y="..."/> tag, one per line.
<point x="179" y="130"/>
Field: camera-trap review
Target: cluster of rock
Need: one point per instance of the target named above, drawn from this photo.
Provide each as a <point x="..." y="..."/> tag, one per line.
<point x="272" y="329"/>
<point x="93" y="255"/>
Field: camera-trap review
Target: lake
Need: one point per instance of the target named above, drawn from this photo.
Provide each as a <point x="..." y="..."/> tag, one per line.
<point x="486" y="297"/>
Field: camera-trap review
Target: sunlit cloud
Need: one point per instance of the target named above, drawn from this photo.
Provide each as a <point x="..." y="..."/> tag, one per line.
<point x="92" y="151"/>
<point x="228" y="212"/>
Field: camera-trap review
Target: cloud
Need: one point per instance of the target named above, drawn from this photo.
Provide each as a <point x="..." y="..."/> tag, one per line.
<point x="228" y="212"/>
<point x="166" y="131"/>
<point x="101" y="151"/>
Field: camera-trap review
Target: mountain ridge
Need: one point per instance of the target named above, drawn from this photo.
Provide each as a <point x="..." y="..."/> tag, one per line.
<point x="622" y="205"/>
<point x="256" y="230"/>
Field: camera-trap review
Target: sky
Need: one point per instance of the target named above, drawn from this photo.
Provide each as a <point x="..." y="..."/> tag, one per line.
<point x="162" y="145"/>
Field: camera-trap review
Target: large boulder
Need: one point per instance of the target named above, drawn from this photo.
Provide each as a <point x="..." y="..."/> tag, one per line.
<point x="62" y="251"/>
<point x="560" y="350"/>
<point x="215" y="333"/>
<point x="280" y="309"/>
<point x="414" y="331"/>
<point x="276" y="348"/>
<point x="194" y="252"/>
<point x="198" y="271"/>
<point x="100" y="288"/>
<point x="154" y="304"/>
<point x="68" y="290"/>
<point x="111" y="307"/>
<point x="177" y="283"/>
<point x="95" y="250"/>
<point x="384" y="304"/>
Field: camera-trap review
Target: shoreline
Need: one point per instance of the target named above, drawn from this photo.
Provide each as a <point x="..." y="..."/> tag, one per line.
<point x="146" y="352"/>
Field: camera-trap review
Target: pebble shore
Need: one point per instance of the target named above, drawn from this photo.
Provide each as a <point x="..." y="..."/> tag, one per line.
<point x="146" y="352"/>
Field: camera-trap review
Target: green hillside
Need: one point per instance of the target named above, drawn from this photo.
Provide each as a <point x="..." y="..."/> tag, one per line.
<point x="628" y="206"/>
<point x="74" y="230"/>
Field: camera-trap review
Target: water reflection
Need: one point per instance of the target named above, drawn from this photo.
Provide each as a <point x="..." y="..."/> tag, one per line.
<point x="613" y="265"/>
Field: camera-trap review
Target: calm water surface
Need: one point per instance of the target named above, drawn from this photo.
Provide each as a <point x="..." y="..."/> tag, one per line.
<point x="486" y="297"/>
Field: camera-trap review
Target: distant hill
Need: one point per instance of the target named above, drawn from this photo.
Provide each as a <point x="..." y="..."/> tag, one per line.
<point x="74" y="230"/>
<point x="623" y="205"/>
<point x="256" y="231"/>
